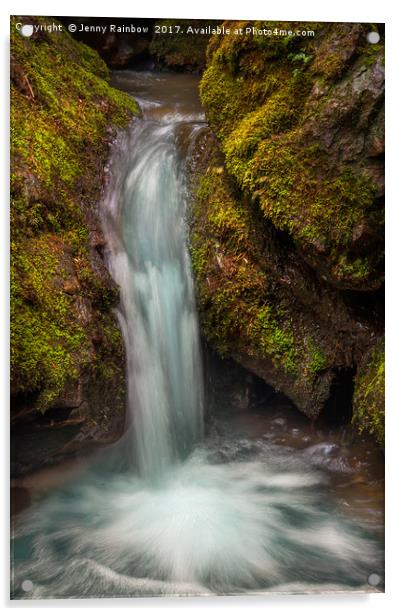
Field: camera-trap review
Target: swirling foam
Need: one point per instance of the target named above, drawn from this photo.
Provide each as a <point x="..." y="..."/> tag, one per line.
<point x="204" y="527"/>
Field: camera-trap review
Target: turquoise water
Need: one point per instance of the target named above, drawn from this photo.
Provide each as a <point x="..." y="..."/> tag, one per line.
<point x="150" y="262"/>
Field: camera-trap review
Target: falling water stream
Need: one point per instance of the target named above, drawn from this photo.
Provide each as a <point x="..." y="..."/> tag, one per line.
<point x="168" y="510"/>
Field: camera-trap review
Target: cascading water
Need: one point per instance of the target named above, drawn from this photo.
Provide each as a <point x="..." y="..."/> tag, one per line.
<point x="150" y="262"/>
<point x="165" y="510"/>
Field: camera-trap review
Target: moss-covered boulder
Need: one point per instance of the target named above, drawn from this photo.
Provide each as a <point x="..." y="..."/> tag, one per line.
<point x="66" y="348"/>
<point x="287" y="221"/>
<point x="259" y="302"/>
<point x="300" y="121"/>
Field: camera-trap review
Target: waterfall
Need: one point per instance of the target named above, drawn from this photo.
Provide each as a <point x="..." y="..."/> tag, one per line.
<point x="167" y="509"/>
<point x="150" y="262"/>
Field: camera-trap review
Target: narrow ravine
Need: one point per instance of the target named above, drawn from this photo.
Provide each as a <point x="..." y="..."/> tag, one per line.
<point x="173" y="508"/>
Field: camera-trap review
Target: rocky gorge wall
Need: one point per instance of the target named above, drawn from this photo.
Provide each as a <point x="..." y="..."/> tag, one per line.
<point x="286" y="225"/>
<point x="177" y="45"/>
<point x="288" y="214"/>
<point x="67" y="355"/>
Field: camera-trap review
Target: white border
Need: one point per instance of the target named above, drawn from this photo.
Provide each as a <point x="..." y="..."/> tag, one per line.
<point x="317" y="10"/>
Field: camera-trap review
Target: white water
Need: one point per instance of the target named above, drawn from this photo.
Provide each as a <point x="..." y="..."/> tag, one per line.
<point x="168" y="511"/>
<point x="149" y="260"/>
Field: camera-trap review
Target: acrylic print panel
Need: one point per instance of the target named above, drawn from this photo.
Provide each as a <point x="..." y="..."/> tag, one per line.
<point x="197" y="307"/>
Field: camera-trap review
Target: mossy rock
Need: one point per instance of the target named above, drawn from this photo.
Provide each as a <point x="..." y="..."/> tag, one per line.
<point x="300" y="123"/>
<point x="257" y="305"/>
<point x="369" y="394"/>
<point x="287" y="230"/>
<point x="63" y="118"/>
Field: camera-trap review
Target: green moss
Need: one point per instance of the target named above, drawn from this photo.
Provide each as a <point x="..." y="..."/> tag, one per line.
<point x="337" y="49"/>
<point x="369" y="395"/>
<point x="316" y="212"/>
<point x="199" y="255"/>
<point x="257" y="92"/>
<point x="60" y="108"/>
<point x="372" y="54"/>
<point x="274" y="340"/>
<point x="242" y="312"/>
<point x="45" y="337"/>
<point x="240" y="280"/>
<point x="245" y="70"/>
<point x="318" y="360"/>
<point x="61" y="112"/>
<point x="289" y="175"/>
<point x="357" y="268"/>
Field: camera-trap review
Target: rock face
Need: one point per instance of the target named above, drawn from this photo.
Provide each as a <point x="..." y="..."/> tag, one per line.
<point x="67" y="355"/>
<point x="287" y="229"/>
<point x="166" y="44"/>
<point x="180" y="50"/>
<point x="120" y="42"/>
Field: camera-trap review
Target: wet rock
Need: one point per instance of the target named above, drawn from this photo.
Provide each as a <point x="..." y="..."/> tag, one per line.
<point x="121" y="51"/>
<point x="279" y="421"/>
<point x="328" y="456"/>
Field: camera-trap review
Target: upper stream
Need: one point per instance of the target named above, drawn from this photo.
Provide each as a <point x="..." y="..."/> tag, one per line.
<point x="259" y="501"/>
